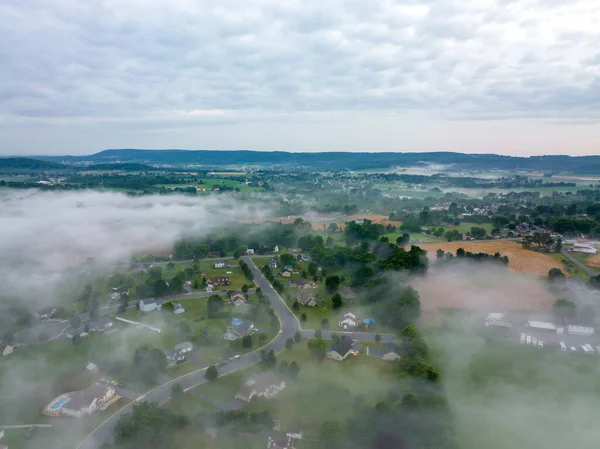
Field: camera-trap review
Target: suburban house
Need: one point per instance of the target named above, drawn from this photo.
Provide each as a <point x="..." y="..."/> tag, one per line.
<point x="342" y="349"/>
<point x="219" y="280"/>
<point x="347" y="293"/>
<point x="302" y="283"/>
<point x="307" y="299"/>
<point x="221" y="264"/>
<point x="390" y="351"/>
<point x="294" y="433"/>
<point x="81" y="403"/>
<point x="276" y="249"/>
<point x="237" y="331"/>
<point x="237" y="299"/>
<point x="92" y="368"/>
<point x="115" y="293"/>
<point x="101" y="324"/>
<point x="184" y="347"/>
<point x="359" y="221"/>
<point x="47" y="312"/>
<point x="295" y="250"/>
<point x="72" y="331"/>
<point x="348" y="321"/>
<point x="7" y="349"/>
<point x="178" y="309"/>
<point x="272" y="263"/>
<point x="305" y="257"/>
<point x="286" y="274"/>
<point x="264" y="385"/>
<point x="213" y="254"/>
<point x="150" y="305"/>
<point x="281" y="442"/>
<point x="174" y="357"/>
<point x="250" y="252"/>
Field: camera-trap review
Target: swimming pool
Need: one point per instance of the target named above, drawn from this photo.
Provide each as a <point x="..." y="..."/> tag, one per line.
<point x="369" y="320"/>
<point x="236" y="321"/>
<point x="58" y="404"/>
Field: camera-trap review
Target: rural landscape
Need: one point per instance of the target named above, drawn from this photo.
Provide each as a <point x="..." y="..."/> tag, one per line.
<point x="247" y="306"/>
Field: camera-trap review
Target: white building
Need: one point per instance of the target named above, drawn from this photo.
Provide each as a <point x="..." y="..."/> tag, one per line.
<point x="184" y="347"/>
<point x="348" y="321"/>
<point x="150" y="305"/>
<point x="584" y="248"/>
<point x="541" y="325"/>
<point x="249" y="252"/>
<point x="264" y="385"/>
<point x="580" y="330"/>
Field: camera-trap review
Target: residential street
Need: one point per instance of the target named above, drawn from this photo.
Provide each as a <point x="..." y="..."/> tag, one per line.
<point x="104" y="433"/>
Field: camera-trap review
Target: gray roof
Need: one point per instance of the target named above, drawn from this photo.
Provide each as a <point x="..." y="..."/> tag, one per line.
<point x="76" y="330"/>
<point x="240" y="329"/>
<point x="343" y="346"/>
<point x="82" y="399"/>
<point x="259" y="382"/>
<point x="101" y="321"/>
<point x="184" y="345"/>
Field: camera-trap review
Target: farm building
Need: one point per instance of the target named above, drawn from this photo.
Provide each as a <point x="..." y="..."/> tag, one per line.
<point x="541" y="325"/>
<point x="580" y="330"/>
<point x="584" y="248"/>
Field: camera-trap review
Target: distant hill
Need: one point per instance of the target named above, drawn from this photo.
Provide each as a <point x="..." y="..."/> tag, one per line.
<point x="124" y="166"/>
<point x="25" y="163"/>
<point x="339" y="160"/>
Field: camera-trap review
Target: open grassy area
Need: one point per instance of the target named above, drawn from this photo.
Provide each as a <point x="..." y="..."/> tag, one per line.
<point x="569" y="268"/>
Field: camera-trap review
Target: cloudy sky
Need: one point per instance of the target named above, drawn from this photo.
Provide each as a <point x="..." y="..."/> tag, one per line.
<point x="505" y="76"/>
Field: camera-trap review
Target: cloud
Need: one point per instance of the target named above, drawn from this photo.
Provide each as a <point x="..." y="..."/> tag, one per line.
<point x="47" y="235"/>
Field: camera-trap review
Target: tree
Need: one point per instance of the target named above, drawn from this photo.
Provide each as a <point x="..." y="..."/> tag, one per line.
<point x="247" y="341"/>
<point x="409" y="331"/>
<point x="377" y="338"/>
<point x="303" y="318"/>
<point x="155" y="272"/>
<point x="317" y="347"/>
<point x="214" y="306"/>
<point x="244" y="288"/>
<point x="283" y="366"/>
<point x="409" y="401"/>
<point x="76" y="340"/>
<point x="170" y="265"/>
<point x="294" y="370"/>
<point x="325" y="324"/>
<point x="211" y="373"/>
<point x="336" y="301"/>
<point x="123" y="303"/>
<point x="150" y="363"/>
<point x="332" y="433"/>
<point x="177" y="393"/>
<point x="564" y="308"/>
<point x="296" y="305"/>
<point x="332" y="283"/>
<point x="318" y="333"/>
<point x="297" y="337"/>
<point x="289" y="344"/>
<point x="555" y="274"/>
<point x="288" y="259"/>
<point x="403" y="240"/>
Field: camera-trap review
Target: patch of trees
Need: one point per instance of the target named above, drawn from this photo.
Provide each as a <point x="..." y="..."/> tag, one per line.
<point x="414" y="260"/>
<point x="355" y="232"/>
<point x="150" y="363"/>
<point x="461" y="254"/>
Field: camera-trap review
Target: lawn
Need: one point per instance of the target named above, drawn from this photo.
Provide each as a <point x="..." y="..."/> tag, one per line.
<point x="570" y="268"/>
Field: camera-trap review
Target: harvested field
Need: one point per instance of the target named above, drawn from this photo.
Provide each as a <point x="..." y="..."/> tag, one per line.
<point x="519" y="259"/>
<point x="594" y="260"/>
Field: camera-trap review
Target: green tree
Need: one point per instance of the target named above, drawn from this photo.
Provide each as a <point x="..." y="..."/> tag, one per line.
<point x="244" y="288"/>
<point x="336" y="301"/>
<point x="564" y="308"/>
<point x="377" y="338"/>
<point x="303" y="318"/>
<point x="332" y="283"/>
<point x="211" y="373"/>
<point x="296" y="305"/>
<point x="325" y="324"/>
<point x="312" y="268"/>
<point x="247" y="341"/>
<point x="555" y="274"/>
<point x="297" y="337"/>
<point x="288" y="259"/>
<point x="76" y="340"/>
<point x="317" y="347"/>
<point x="214" y="306"/>
<point x="155" y="272"/>
<point x="294" y="370"/>
<point x="150" y="363"/>
<point x="409" y="331"/>
<point x="332" y="433"/>
<point x="403" y="240"/>
<point x="289" y="344"/>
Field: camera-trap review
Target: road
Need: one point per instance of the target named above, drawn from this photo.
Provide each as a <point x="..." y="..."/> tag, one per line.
<point x="585" y="268"/>
<point x="104" y="433"/>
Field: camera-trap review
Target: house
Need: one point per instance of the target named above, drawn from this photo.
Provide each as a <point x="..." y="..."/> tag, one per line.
<point x="219" y="280"/>
<point x="115" y="293"/>
<point x="294" y="433"/>
<point x="213" y="254"/>
<point x="239" y="330"/>
<point x="81" y="403"/>
<point x="307" y="299"/>
<point x="184" y="347"/>
<point x="281" y="442"/>
<point x="264" y="385"/>
<point x="301" y="283"/>
<point x="295" y="250"/>
<point x="101" y="324"/>
<point x="221" y="264"/>
<point x="359" y="221"/>
<point x="276" y="249"/>
<point x="286" y="274"/>
<point x="237" y="299"/>
<point x="584" y="248"/>
<point x="174" y="357"/>
<point x="390" y="351"/>
<point x="342" y="349"/>
<point x="305" y="258"/>
<point x="92" y="368"/>
<point x="47" y="312"/>
<point x="178" y="309"/>
<point x="348" y="321"/>
<point x="347" y="293"/>
<point x="150" y="305"/>
<point x="7" y="349"/>
<point x="72" y="331"/>
<point x="272" y="263"/>
<point x="249" y="252"/>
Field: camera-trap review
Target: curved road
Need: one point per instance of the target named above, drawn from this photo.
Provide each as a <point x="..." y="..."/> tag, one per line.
<point x="104" y="433"/>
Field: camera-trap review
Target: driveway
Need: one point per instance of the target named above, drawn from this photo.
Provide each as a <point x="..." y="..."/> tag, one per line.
<point x="32" y="335"/>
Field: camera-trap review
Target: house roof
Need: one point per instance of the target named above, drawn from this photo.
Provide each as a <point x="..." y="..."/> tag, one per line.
<point x="184" y="345"/>
<point x="259" y="382"/>
<point x="101" y="321"/>
<point x="240" y="329"/>
<point x="347" y="292"/>
<point x="81" y="399"/>
<point x="343" y="346"/>
<point x="301" y="281"/>
<point x="305" y="297"/>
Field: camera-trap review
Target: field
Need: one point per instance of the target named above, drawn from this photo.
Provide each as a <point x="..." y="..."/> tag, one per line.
<point x="590" y="260"/>
<point x="520" y="260"/>
<point x="319" y="225"/>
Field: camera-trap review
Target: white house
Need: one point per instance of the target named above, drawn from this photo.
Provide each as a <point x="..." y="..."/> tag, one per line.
<point x="150" y="305"/>
<point x="184" y="347"/>
<point x="276" y="249"/>
<point x="221" y="264"/>
<point x="348" y="321"/>
<point x="249" y="252"/>
<point x="264" y="385"/>
<point x="178" y="309"/>
<point x="92" y="368"/>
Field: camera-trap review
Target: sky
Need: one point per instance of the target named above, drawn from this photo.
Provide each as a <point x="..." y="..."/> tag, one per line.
<point x="519" y="77"/>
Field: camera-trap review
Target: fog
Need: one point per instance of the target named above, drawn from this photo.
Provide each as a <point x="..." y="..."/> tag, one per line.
<point x="501" y="393"/>
<point x="44" y="233"/>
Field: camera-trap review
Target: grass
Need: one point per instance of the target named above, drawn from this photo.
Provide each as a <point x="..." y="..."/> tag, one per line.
<point x="570" y="268"/>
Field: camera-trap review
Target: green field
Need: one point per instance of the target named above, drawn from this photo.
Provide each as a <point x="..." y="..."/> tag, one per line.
<point x="570" y="268"/>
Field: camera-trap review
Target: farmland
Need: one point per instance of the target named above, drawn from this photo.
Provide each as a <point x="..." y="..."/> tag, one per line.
<point x="521" y="260"/>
